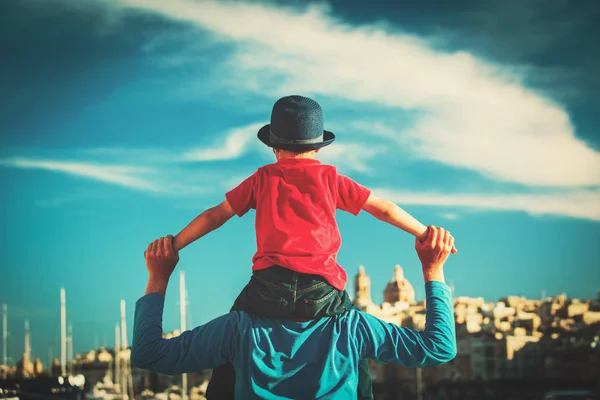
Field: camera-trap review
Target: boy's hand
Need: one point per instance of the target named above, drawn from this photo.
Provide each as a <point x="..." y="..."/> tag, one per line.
<point x="425" y="235"/>
<point x="161" y="259"/>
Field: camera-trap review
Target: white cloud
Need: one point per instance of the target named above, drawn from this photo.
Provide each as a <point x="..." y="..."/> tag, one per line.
<point x="119" y="175"/>
<point x="469" y="113"/>
<point x="65" y="199"/>
<point x="584" y="204"/>
<point x="242" y="140"/>
<point x="449" y="216"/>
<point x="236" y="142"/>
<point x="168" y="180"/>
<point x="351" y="156"/>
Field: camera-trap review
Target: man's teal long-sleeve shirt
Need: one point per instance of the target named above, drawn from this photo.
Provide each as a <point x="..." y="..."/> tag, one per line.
<point x="286" y="359"/>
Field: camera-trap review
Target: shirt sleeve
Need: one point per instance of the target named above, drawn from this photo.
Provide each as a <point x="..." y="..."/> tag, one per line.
<point x="242" y="198"/>
<point x="205" y="347"/>
<point x="388" y="343"/>
<point x="351" y="196"/>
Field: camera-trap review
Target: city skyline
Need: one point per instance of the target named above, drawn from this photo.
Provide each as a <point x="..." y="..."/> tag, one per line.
<point x="366" y="303"/>
<point x="121" y="120"/>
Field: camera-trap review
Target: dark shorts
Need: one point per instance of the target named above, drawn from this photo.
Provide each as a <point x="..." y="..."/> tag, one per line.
<point x="282" y="293"/>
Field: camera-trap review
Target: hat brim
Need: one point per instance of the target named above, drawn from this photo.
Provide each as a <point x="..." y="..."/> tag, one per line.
<point x="265" y="132"/>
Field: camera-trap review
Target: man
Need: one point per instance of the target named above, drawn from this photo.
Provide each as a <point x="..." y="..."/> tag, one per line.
<point x="285" y="358"/>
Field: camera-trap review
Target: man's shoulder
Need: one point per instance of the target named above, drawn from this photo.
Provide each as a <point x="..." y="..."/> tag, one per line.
<point x="359" y="318"/>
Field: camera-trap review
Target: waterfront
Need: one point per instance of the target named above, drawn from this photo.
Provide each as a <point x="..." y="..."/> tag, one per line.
<point x="514" y="348"/>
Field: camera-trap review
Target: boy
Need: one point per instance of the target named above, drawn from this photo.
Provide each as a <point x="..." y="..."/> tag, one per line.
<point x="297" y="235"/>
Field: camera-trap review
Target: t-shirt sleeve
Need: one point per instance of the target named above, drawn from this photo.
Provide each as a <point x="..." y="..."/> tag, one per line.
<point x="388" y="343"/>
<point x="204" y="347"/>
<point x="242" y="198"/>
<point x="351" y="196"/>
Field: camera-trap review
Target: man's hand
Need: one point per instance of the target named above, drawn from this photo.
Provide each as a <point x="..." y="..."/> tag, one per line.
<point x="424" y="236"/>
<point x="434" y="252"/>
<point x="161" y="260"/>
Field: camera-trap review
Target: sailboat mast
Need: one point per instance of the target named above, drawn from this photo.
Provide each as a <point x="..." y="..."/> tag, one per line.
<point x="50" y="361"/>
<point x="27" y="341"/>
<point x="124" y="347"/>
<point x="183" y="313"/>
<point x="70" y="349"/>
<point x="63" y="332"/>
<point x="117" y="351"/>
<point x="4" y="335"/>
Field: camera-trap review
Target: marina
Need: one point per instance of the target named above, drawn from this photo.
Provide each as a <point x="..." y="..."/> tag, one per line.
<point x="108" y="376"/>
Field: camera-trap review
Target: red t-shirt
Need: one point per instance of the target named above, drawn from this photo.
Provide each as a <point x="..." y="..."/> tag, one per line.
<point x="295" y="201"/>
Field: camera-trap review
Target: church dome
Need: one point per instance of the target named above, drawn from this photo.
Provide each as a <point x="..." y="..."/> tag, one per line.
<point x="399" y="288"/>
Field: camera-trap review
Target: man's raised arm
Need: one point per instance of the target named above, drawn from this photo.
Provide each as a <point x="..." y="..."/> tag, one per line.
<point x="389" y="343"/>
<point x="205" y="347"/>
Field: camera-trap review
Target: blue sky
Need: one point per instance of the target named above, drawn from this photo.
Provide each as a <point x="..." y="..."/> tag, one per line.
<point x="122" y="120"/>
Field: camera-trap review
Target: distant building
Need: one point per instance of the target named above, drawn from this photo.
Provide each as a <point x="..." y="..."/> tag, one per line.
<point x="512" y="338"/>
<point x="399" y="289"/>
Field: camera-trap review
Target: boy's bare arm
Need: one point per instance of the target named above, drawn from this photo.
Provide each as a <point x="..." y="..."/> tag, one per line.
<point x="387" y="211"/>
<point x="391" y="213"/>
<point x="204" y="223"/>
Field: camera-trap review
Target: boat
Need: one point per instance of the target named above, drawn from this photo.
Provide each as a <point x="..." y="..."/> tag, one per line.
<point x="172" y="393"/>
<point x="198" y="392"/>
<point x="148" y="394"/>
<point x="8" y="394"/>
<point x="39" y="387"/>
<point x="106" y="389"/>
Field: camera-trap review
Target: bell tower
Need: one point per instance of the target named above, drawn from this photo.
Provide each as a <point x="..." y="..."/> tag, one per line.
<point x="362" y="288"/>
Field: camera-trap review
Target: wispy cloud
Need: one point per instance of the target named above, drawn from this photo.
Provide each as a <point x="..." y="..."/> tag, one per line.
<point x="65" y="199"/>
<point x="468" y="113"/>
<point x="119" y="175"/>
<point x="235" y="143"/>
<point x="352" y="157"/>
<point x="449" y="216"/>
<point x="163" y="179"/>
<point x="584" y="204"/>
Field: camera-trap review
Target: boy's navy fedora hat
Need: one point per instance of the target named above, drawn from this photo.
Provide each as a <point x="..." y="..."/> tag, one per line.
<point x="296" y="125"/>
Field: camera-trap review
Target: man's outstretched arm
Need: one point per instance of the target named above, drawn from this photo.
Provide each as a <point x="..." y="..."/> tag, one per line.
<point x="389" y="343"/>
<point x="205" y="347"/>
